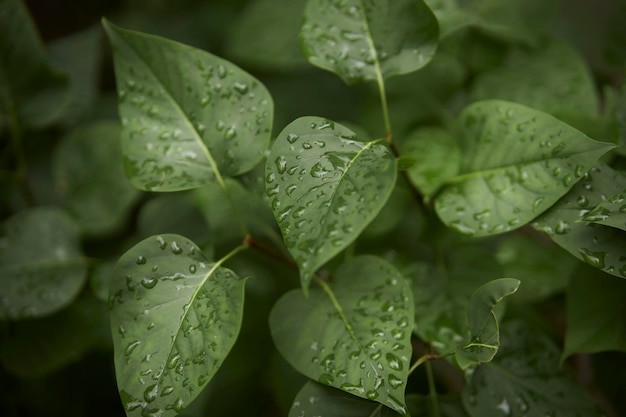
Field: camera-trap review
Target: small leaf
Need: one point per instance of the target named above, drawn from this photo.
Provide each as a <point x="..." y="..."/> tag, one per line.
<point x="600" y="246"/>
<point x="359" y="341"/>
<point x="610" y="212"/>
<point x="483" y="323"/>
<point x="325" y="187"/>
<point x="517" y="162"/>
<point x="369" y="39"/>
<point x="41" y="264"/>
<point x="525" y="379"/>
<point x="174" y="317"/>
<point x="187" y="115"/>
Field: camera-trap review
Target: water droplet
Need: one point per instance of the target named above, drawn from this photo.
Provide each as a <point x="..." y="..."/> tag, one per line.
<point x="394" y="362"/>
<point x="167" y="391"/>
<point x="394" y="381"/>
<point x="175" y="247"/>
<point x="567" y="180"/>
<point x="205" y="100"/>
<point x="141" y="260"/>
<point x="241" y="88"/>
<point x="230" y="133"/>
<point x="292" y="137"/>
<point x="281" y="164"/>
<point x="595" y="259"/>
<point x="504" y="407"/>
<point x="326" y="379"/>
<point x="162" y="243"/>
<point x="462" y="228"/>
<point x="562" y="227"/>
<point x="481" y="215"/>
<point x="149" y="282"/>
<point x="192" y="268"/>
<point x="371" y="394"/>
<point x="221" y="71"/>
<point x="537" y="203"/>
<point x="582" y="201"/>
<point x="131" y="347"/>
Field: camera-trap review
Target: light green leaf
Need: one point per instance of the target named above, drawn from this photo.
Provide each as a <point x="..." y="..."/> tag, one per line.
<point x="450" y="15"/>
<point x="596" y="313"/>
<point x="610" y="212"/>
<point x="187" y="116"/>
<point x="354" y="335"/>
<point x="41" y="264"/>
<point x="517" y="162"/>
<point x="438" y="157"/>
<point x="483" y="323"/>
<point x="600" y="246"/>
<point x="525" y="379"/>
<point x="174" y="317"/>
<point x="363" y="40"/>
<point x="325" y="187"/>
<point x="89" y="172"/>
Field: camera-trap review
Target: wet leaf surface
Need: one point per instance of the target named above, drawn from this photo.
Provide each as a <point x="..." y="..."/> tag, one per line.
<point x="517" y="162"/>
<point x="174" y="317"/>
<point x="610" y="212"/>
<point x="325" y="187"/>
<point x="359" y="342"/>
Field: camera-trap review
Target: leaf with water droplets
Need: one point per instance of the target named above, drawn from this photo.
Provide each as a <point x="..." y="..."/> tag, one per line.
<point x="483" y="323"/>
<point x="325" y="187"/>
<point x="600" y="246"/>
<point x="516" y="163"/>
<point x="187" y="116"/>
<point x="610" y="212"/>
<point x="362" y="345"/>
<point x="526" y="379"/>
<point x="369" y="39"/>
<point x="175" y="315"/>
<point x="41" y="264"/>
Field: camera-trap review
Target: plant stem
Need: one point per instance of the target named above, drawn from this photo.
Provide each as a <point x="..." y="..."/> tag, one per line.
<point x="253" y="243"/>
<point x="432" y="390"/>
<point x="385" y="108"/>
<point x="376" y="410"/>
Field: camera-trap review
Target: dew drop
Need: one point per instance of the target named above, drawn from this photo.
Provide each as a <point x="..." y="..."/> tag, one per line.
<point x="192" y="268"/>
<point x="149" y="282"/>
<point x="230" y="133"/>
<point x="175" y="247"/>
<point x="595" y="259"/>
<point x="292" y="137"/>
<point x="131" y="347"/>
<point x="141" y="260"/>
<point x="281" y="164"/>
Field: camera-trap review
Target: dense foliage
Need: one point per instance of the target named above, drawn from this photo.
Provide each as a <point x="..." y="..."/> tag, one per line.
<point x="313" y="208"/>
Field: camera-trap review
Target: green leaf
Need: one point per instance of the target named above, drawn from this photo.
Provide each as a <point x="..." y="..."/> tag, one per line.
<point x="174" y="317"/>
<point x="187" y="116"/>
<point x="325" y="187"/>
<point x="517" y="162"/>
<point x="437" y="155"/>
<point x="483" y="323"/>
<point x="363" y="40"/>
<point x="88" y="168"/>
<point x="610" y="212"/>
<point x="41" y="264"/>
<point x="596" y="313"/>
<point x="354" y="335"/>
<point x="525" y="378"/>
<point x="450" y="15"/>
<point x="600" y="246"/>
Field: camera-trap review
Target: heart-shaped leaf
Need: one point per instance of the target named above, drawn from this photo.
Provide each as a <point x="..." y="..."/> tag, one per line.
<point x="187" y="116"/>
<point x="354" y="335"/>
<point x="325" y="187"/>
<point x="610" y="212"/>
<point x="483" y="323"/>
<point x="174" y="317"/>
<point x="369" y="39"/>
<point x="517" y="162"/>
<point x="41" y="264"/>
<point x="600" y="246"/>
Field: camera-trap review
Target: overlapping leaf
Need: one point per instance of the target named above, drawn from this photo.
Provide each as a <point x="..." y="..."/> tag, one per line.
<point x="41" y="264"/>
<point x="175" y="316"/>
<point x="186" y="114"/>
<point x="610" y="212"/>
<point x="357" y="338"/>
<point x="517" y="162"/>
<point x="600" y="246"/>
<point x="363" y="40"/>
<point x="325" y="187"/>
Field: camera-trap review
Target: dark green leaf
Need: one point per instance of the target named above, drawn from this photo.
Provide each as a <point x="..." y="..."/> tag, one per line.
<point x="41" y="265"/>
<point x="525" y="379"/>
<point x="483" y="323"/>
<point x="517" y="162"/>
<point x="187" y="115"/>
<point x="174" y="317"/>
<point x="610" y="212"/>
<point x="325" y="187"/>
<point x="369" y="39"/>
<point x="450" y="15"/>
<point x="600" y="246"/>
<point x="358" y="341"/>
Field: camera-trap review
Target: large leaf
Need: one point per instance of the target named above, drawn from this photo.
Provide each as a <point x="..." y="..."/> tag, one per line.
<point x="356" y="336"/>
<point x="89" y="171"/>
<point x="186" y="115"/>
<point x="517" y="162"/>
<point x="369" y="39"/>
<point x="600" y="246"/>
<point x="175" y="316"/>
<point x="596" y="313"/>
<point x="41" y="264"/>
<point x="525" y="379"/>
<point x="325" y="187"/>
<point x="483" y="323"/>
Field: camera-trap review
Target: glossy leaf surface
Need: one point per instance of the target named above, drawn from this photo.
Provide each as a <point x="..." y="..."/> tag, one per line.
<point x="325" y="187"/>
<point x="526" y="379"/>
<point x="363" y="40"/>
<point x="186" y="114"/>
<point x="600" y="246"/>
<point x="174" y="317"/>
<point x="610" y="212"/>
<point x="357" y="341"/>
<point x="483" y="323"/>
<point x="41" y="264"/>
<point x="517" y="162"/>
